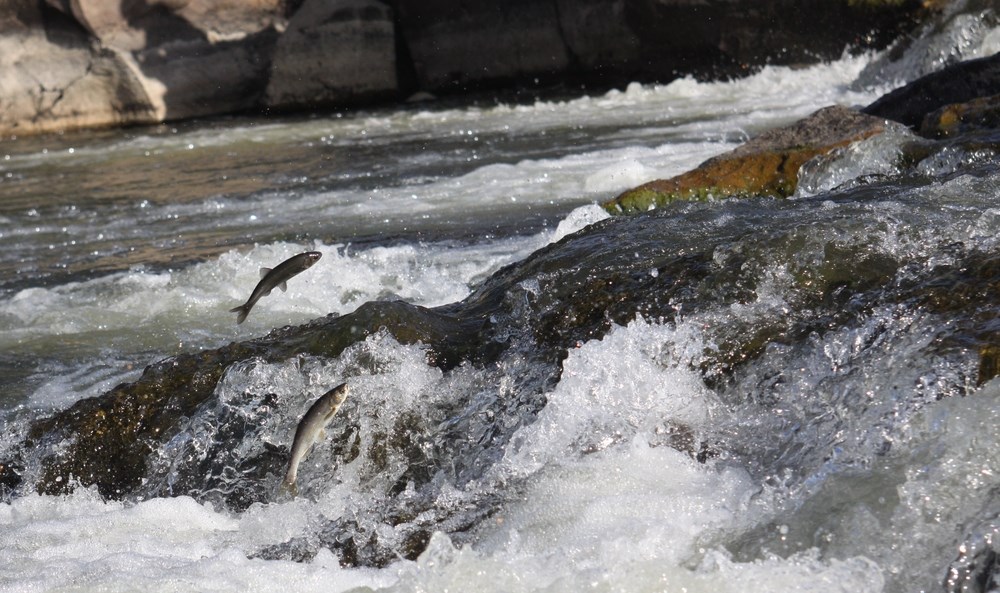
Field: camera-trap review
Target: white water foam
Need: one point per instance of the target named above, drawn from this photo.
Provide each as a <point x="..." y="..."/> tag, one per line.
<point x="609" y="506"/>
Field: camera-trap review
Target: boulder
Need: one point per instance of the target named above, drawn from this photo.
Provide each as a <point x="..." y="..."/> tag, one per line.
<point x="766" y="165"/>
<point x="982" y="113"/>
<point x="958" y="83"/>
<point x="135" y="25"/>
<point x="333" y="52"/>
<point x="197" y="77"/>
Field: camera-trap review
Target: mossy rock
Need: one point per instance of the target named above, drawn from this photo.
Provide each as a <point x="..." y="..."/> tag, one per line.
<point x="982" y="113"/>
<point x="767" y="165"/>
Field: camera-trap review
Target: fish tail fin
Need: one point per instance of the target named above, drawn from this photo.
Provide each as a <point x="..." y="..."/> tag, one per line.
<point x="289" y="488"/>
<point x="243" y="310"/>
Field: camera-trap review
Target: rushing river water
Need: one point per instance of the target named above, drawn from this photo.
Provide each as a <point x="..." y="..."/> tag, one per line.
<point x="786" y="409"/>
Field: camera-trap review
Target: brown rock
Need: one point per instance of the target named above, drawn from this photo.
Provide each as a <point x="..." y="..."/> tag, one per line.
<point x="51" y="78"/>
<point x="766" y="165"/>
<point x="958" y="118"/>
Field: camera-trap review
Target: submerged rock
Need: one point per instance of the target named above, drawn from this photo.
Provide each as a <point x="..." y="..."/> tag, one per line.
<point x="767" y="165"/>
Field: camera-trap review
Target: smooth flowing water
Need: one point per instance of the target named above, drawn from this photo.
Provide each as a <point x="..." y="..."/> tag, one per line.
<point x="855" y="450"/>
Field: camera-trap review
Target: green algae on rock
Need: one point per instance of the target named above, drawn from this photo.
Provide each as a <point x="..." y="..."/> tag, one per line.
<point x="767" y="165"/>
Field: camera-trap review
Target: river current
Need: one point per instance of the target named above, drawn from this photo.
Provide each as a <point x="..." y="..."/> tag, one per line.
<point x="850" y="455"/>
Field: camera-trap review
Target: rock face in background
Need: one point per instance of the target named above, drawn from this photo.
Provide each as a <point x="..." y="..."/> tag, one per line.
<point x="333" y="52"/>
<point x="82" y="63"/>
<point x="51" y="77"/>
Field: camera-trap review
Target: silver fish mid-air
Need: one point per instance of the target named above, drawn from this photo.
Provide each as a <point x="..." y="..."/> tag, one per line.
<point x="310" y="430"/>
<point x="276" y="278"/>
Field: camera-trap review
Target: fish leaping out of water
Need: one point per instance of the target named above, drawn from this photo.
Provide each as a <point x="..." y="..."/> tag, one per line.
<point x="310" y="430"/>
<point x="276" y="278"/>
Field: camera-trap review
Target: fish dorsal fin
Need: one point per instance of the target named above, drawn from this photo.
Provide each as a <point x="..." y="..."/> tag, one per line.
<point x="264" y="272"/>
<point x="283" y="286"/>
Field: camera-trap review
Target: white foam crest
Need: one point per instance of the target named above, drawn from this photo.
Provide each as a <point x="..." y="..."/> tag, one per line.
<point x="989" y="45"/>
<point x="634" y="514"/>
<point x="80" y="543"/>
<point x="443" y="567"/>
<point x="191" y="305"/>
<point x="579" y="219"/>
<point x="779" y="91"/>
<point x="613" y="391"/>
<point x="636" y="502"/>
<point x="575" y="178"/>
<point x="60" y="385"/>
<point x="773" y="91"/>
<point x="949" y="470"/>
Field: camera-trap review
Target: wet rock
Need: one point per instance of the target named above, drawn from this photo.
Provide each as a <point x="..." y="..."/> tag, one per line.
<point x="959" y="83"/>
<point x="976" y="569"/>
<point x="989" y="362"/>
<point x="767" y="165"/>
<point x="425" y="470"/>
<point x="951" y="120"/>
<point x="10" y="478"/>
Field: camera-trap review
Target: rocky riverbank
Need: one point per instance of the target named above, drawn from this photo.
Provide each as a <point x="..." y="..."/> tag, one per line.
<point x="959" y="104"/>
<point x="90" y="63"/>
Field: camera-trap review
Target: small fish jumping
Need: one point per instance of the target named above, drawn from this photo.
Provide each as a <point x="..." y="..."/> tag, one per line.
<point x="276" y="278"/>
<point x="310" y="430"/>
